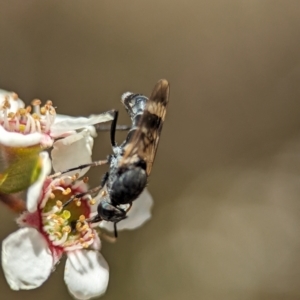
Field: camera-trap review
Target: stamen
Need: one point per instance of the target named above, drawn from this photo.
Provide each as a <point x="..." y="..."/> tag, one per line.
<point x="58" y="234"/>
<point x="58" y="203"/>
<point x="81" y="218"/>
<point x="62" y="240"/>
<point x="43" y="110"/>
<point x="36" y="102"/>
<point x="92" y="202"/>
<point x="67" y="229"/>
<point x="14" y="96"/>
<point x="6" y="103"/>
<point x="67" y="191"/>
<point x="78" y="226"/>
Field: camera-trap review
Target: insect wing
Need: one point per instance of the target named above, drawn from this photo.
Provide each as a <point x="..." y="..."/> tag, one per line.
<point x="145" y="140"/>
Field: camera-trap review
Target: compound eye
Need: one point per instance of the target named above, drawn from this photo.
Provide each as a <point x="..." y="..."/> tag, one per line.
<point x="108" y="212"/>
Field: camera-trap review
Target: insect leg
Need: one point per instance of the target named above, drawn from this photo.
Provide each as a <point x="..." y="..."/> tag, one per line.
<point x="113" y="129"/>
<point x="115" y="229"/>
<point x="92" y="164"/>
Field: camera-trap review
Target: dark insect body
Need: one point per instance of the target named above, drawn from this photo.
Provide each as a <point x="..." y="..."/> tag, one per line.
<point x="131" y="162"/>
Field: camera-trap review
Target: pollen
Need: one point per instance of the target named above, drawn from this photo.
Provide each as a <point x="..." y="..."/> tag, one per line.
<point x="78" y="203"/>
<point x="61" y="181"/>
<point x="43" y="110"/>
<point x="82" y="218"/>
<point x="58" y="203"/>
<point x="15" y="96"/>
<point x="92" y="202"/>
<point x="85" y="179"/>
<point x="67" y="229"/>
<point x="36" y="116"/>
<point x="58" y="234"/>
<point x="67" y="191"/>
<point x="22" y="111"/>
<point x="85" y="245"/>
<point x="66" y="214"/>
<point x="22" y="128"/>
<point x="6" y="103"/>
<point x="36" y="102"/>
<point x="73" y="178"/>
<point x="78" y="226"/>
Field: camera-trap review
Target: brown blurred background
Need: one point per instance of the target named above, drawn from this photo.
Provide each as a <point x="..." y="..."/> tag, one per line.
<point x="226" y="179"/>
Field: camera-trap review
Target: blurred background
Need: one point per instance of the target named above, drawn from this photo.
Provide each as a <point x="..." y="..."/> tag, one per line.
<point x="226" y="178"/>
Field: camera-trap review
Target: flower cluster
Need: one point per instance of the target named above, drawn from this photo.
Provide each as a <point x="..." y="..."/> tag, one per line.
<point x="48" y="227"/>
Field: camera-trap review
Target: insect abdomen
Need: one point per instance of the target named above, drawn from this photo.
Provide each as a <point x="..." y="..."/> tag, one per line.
<point x="128" y="185"/>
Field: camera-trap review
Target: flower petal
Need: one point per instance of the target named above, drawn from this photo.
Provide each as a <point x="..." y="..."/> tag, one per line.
<point x="65" y="123"/>
<point x="26" y="259"/>
<point x="72" y="151"/>
<point x="86" y="274"/>
<point x="35" y="190"/>
<point x="15" y="139"/>
<point x="139" y="213"/>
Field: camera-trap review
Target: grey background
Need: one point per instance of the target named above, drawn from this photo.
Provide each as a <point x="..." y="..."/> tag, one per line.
<point x="226" y="178"/>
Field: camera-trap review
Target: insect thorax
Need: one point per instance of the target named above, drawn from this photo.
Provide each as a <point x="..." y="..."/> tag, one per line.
<point x="134" y="104"/>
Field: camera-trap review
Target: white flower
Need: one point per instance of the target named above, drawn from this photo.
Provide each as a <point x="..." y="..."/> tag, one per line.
<point x="49" y="230"/>
<point x="21" y="128"/>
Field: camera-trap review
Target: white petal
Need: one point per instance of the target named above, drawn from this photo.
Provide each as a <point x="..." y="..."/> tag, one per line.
<point x="139" y="213"/>
<point x="15" y="139"/>
<point x="63" y="124"/>
<point x="86" y="274"/>
<point x="72" y="151"/>
<point x="26" y="259"/>
<point x="15" y="104"/>
<point x="35" y="189"/>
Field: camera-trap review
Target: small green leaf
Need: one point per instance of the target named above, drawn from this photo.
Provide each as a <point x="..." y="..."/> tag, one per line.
<point x="22" y="171"/>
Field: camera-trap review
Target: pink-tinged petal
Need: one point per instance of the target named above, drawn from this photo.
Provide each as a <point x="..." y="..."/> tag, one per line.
<point x="139" y="213"/>
<point x="66" y="123"/>
<point x="72" y="151"/>
<point x="15" y="104"/>
<point x="26" y="259"/>
<point x="35" y="189"/>
<point x="86" y="274"/>
<point x="15" y="139"/>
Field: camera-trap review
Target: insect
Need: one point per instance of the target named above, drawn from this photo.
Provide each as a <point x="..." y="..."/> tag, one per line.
<point x="131" y="162"/>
